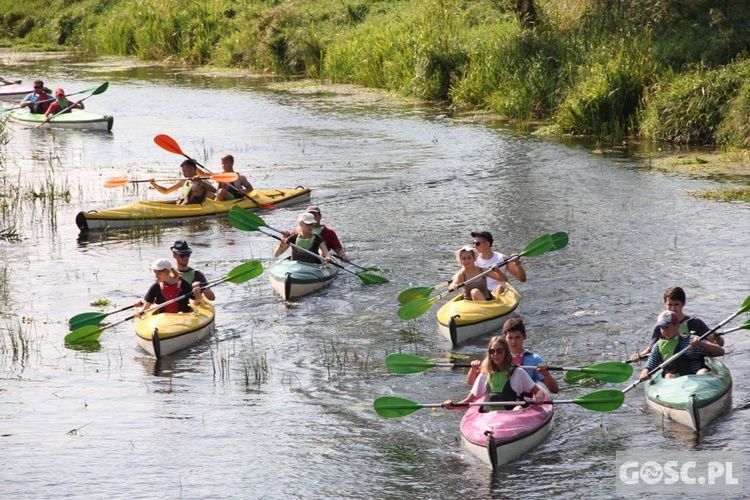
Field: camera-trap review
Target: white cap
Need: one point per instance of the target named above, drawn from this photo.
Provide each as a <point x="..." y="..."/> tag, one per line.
<point x="307" y="218"/>
<point x="161" y="265"/>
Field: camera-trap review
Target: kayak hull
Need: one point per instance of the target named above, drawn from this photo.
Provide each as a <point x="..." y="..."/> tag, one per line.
<point x="167" y="333"/>
<point x="77" y="119"/>
<point x="460" y="320"/>
<point x="291" y="278"/>
<point x="500" y="436"/>
<point x="15" y="92"/>
<point x="149" y="213"/>
<point x="692" y="400"/>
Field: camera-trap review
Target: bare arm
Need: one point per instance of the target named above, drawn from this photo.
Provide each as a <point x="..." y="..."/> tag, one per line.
<point x="174" y="187"/>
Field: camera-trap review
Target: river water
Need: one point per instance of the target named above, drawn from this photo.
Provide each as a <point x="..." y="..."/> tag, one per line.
<point x="279" y="402"/>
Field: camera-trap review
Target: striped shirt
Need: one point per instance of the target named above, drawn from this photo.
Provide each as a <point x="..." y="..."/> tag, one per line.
<point x="695" y="355"/>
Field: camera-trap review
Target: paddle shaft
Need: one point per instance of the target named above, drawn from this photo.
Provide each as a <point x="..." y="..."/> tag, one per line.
<point x="683" y="351"/>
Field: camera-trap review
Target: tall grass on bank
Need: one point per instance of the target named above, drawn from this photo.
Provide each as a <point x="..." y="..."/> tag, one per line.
<point x="690" y="108"/>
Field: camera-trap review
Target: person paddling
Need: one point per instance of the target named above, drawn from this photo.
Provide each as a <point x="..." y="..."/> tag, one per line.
<point x="483" y="242"/>
<point x="39" y="100"/>
<point x="476" y="289"/>
<point x="304" y="237"/>
<point x="671" y="342"/>
<point x="193" y="189"/>
<point x="61" y="104"/>
<point x="232" y="190"/>
<point x="329" y="236"/>
<point x="181" y="253"/>
<point x="169" y="285"/>
<point x="514" y="332"/>
<point x="500" y="380"/>
<point x="674" y="300"/>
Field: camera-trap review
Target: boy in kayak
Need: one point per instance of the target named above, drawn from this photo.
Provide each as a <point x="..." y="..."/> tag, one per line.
<point x="61" y="104"/>
<point x="181" y="253"/>
<point x="671" y="342"/>
<point x="192" y="188"/>
<point x="233" y="190"/>
<point x="674" y="300"/>
<point x="39" y="100"/>
<point x="514" y="332"/>
<point x="483" y="243"/>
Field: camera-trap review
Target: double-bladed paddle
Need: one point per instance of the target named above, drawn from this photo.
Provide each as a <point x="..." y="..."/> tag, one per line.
<point x="98" y="90"/>
<point x="745" y="307"/>
<point x="258" y="221"/>
<point x="93" y="318"/>
<point x="51" y="99"/>
<point x="604" y="401"/>
<point x="240" y="274"/>
<point x="121" y="181"/>
<point x="168" y="144"/>
<point x="242" y="219"/>
<point x="419" y="292"/>
<point x="542" y="244"/>
<point x="610" y="371"/>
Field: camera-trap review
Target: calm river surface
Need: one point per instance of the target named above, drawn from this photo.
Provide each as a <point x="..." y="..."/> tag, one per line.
<point x="403" y="186"/>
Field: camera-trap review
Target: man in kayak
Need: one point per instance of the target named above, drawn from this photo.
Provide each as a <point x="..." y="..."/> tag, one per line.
<point x="674" y="300"/>
<point x="514" y="332"/>
<point x="232" y="190"/>
<point x="671" y="342"/>
<point x="61" y="104"/>
<point x="483" y="243"/>
<point x="39" y="100"/>
<point x="193" y="189"/>
<point x="181" y="253"/>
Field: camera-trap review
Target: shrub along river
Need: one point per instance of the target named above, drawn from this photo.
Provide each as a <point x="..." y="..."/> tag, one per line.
<point x="279" y="401"/>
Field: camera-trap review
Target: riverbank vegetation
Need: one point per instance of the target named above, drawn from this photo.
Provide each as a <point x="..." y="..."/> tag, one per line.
<point x="664" y="70"/>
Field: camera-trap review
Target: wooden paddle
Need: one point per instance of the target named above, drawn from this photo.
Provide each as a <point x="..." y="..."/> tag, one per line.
<point x="258" y="221"/>
<point x="168" y="144"/>
<point x="610" y="371"/>
<point x="745" y="307"/>
<point x="121" y="181"/>
<point x="603" y="401"/>
<point x="542" y="244"/>
<point x="240" y="274"/>
<point x="99" y="90"/>
<point x="238" y="217"/>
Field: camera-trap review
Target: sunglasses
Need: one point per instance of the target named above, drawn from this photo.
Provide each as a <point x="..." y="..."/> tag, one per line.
<point x="499" y="350"/>
<point x="477" y="243"/>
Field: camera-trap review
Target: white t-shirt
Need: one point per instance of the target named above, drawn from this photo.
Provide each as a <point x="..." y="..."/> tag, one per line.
<point x="496" y="257"/>
<point x="520" y="382"/>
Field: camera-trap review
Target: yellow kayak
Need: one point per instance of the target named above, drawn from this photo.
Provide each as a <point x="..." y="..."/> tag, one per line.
<point x="142" y="213"/>
<point x="460" y="320"/>
<point x="166" y="333"/>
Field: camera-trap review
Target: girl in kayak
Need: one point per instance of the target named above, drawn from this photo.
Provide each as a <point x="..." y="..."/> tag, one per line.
<point x="500" y="380"/>
<point x="61" y="105"/>
<point x="169" y="285"/>
<point x="304" y="237"/>
<point x="475" y="289"/>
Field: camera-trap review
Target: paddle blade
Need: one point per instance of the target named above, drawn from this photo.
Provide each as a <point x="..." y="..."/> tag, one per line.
<point x="169" y="144"/>
<point x="611" y="371"/>
<point x="227" y="177"/>
<point x="100" y="89"/>
<point x="372" y="279"/>
<point x="417" y="292"/>
<point x="86" y="319"/>
<point x="407" y="363"/>
<point x="745" y="307"/>
<point x="395" y="407"/>
<point x="416" y="308"/>
<point x="84" y="334"/>
<point x="545" y="243"/>
<point x="238" y="218"/>
<point x="604" y="401"/>
<point x="245" y="272"/>
<point x="117" y="182"/>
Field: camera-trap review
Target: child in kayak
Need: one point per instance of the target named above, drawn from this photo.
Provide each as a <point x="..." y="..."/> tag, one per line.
<point x="500" y="380"/>
<point x="169" y="285"/>
<point x="475" y="289"/>
<point x="61" y="105"/>
<point x="304" y="237"/>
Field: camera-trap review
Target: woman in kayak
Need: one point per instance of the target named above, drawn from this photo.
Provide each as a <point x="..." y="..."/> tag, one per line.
<point x="169" y="285"/>
<point x="303" y="237"/>
<point x="475" y="289"/>
<point x="500" y="380"/>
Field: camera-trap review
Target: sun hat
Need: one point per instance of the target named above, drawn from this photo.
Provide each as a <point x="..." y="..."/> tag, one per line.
<point x="181" y="247"/>
<point x="161" y="265"/>
<point x="307" y="218"/>
<point x="313" y="208"/>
